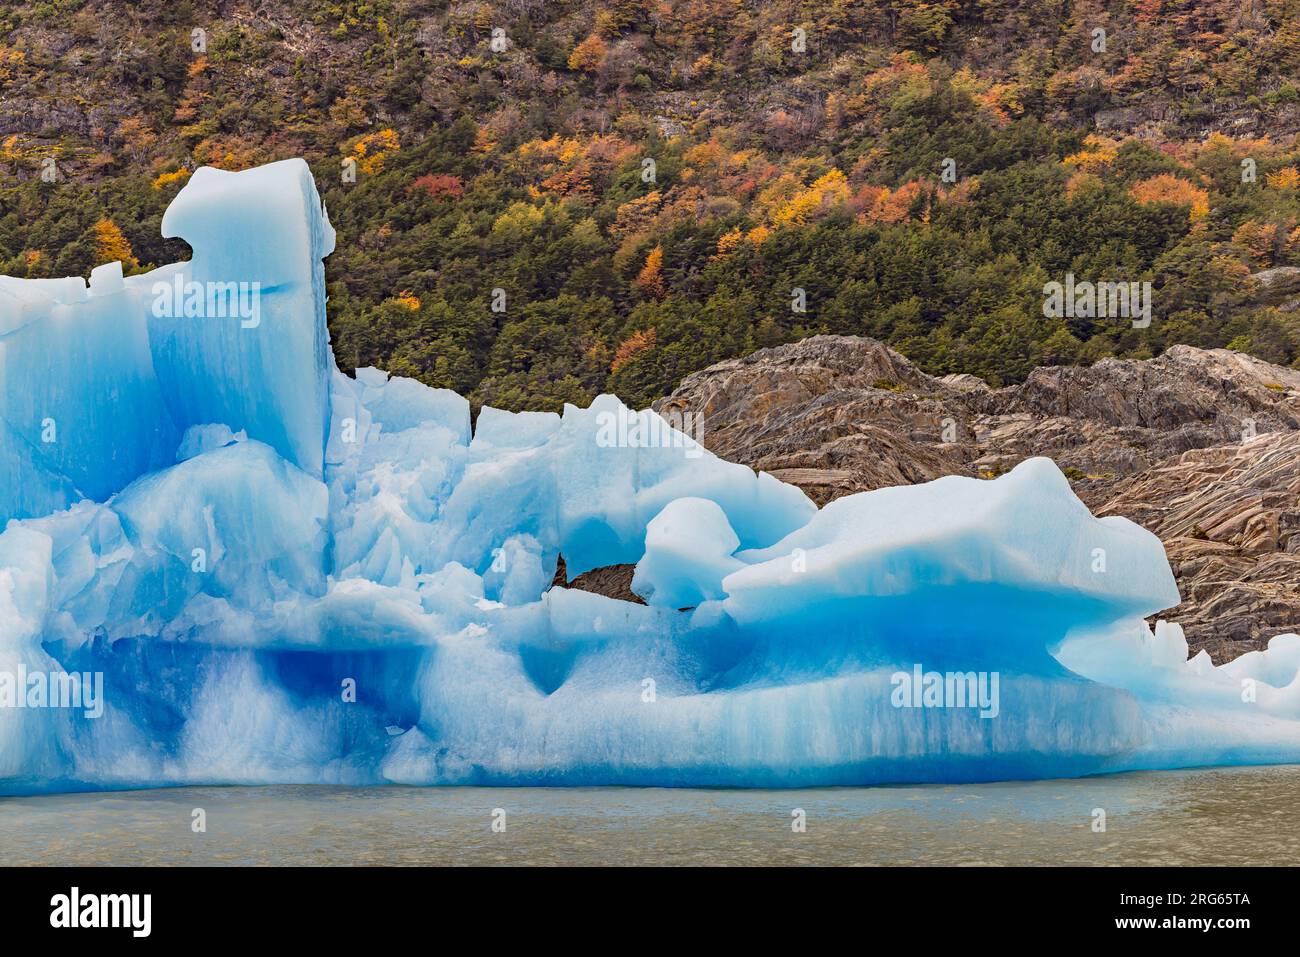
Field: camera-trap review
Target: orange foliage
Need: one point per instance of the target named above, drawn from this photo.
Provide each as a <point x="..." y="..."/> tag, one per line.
<point x="588" y="55"/>
<point x="407" y="300"/>
<point x="888" y="207"/>
<point x="650" y="281"/>
<point x="640" y="342"/>
<point x="636" y="216"/>
<point x="1264" y="242"/>
<point x="1167" y="188"/>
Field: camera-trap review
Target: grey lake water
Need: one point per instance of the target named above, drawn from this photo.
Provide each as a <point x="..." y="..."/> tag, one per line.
<point x="1199" y="817"/>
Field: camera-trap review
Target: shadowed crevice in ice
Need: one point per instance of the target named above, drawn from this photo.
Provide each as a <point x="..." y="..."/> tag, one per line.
<point x="283" y="574"/>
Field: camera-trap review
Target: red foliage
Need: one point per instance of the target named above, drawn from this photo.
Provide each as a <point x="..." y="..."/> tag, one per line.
<point x="437" y="185"/>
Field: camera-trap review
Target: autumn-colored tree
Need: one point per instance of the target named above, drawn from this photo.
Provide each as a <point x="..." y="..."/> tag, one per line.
<point x="641" y="341"/>
<point x="783" y="130"/>
<point x="1265" y="242"/>
<point x="1081" y="182"/>
<point x="484" y="141"/>
<point x="1288" y="177"/>
<point x="1098" y="153"/>
<point x="728" y="242"/>
<point x="437" y="185"/>
<point x="833" y="111"/>
<point x="883" y="205"/>
<point x="650" y="281"/>
<point x="136" y="135"/>
<point x="175" y="176"/>
<point x="112" y="246"/>
<point x="372" y="149"/>
<point x="408" y="300"/>
<point x="637" y="215"/>
<point x="825" y="193"/>
<point x="561" y="221"/>
<point x="588" y="55"/>
<point x="923" y="26"/>
<point x="1167" y="188"/>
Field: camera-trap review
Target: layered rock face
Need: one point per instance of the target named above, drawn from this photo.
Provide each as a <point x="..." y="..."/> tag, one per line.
<point x="1202" y="447"/>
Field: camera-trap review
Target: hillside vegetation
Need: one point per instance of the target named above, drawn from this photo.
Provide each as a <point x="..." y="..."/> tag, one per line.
<point x="539" y="201"/>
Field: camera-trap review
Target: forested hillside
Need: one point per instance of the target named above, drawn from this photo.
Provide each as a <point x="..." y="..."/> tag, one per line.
<point x="539" y="201"/>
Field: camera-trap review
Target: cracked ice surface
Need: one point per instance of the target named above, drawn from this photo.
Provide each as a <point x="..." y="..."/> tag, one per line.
<point x="283" y="574"/>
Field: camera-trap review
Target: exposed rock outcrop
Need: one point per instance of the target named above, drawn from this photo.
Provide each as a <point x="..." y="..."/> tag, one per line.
<point x="1278" y="287"/>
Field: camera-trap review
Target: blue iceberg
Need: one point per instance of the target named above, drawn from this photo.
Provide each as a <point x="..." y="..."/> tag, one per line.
<point x="225" y="562"/>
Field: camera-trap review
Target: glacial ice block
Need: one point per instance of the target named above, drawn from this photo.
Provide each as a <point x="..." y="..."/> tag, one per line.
<point x="81" y="414"/>
<point x="238" y="333"/>
<point x="615" y="470"/>
<point x="274" y="572"/>
<point x="958" y="568"/>
<point x="688" y="553"/>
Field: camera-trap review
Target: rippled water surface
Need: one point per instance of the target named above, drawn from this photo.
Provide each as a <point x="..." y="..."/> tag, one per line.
<point x="1218" y="816"/>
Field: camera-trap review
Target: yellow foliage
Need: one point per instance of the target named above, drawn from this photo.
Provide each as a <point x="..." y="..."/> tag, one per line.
<point x="9" y="151"/>
<point x="407" y="300"/>
<point x="372" y="149"/>
<point x="11" y="62"/>
<point x="111" y="245"/>
<point x="166" y="179"/>
<point x="483" y="141"/>
<point x="706" y="156"/>
<point x="518" y="220"/>
<point x="1288" y="177"/>
<point x="1098" y="153"/>
<point x="555" y="150"/>
<point x="825" y="193"/>
<point x="728" y="241"/>
<point x="969" y="82"/>
<point x="1003" y="99"/>
<point x="777" y="194"/>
